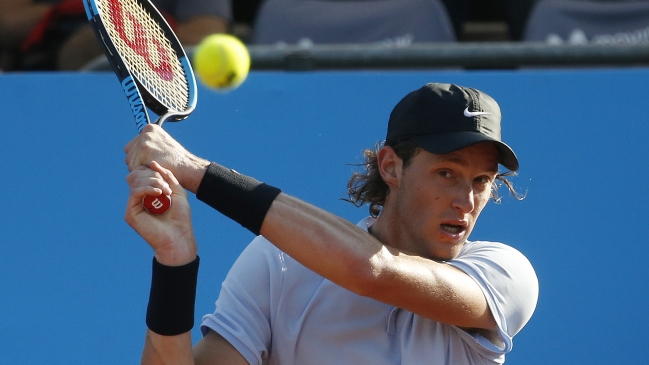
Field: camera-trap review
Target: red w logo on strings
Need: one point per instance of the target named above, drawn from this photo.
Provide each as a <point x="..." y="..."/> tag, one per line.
<point x="140" y="41"/>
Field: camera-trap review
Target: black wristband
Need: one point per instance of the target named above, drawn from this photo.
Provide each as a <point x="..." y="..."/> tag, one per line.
<point x="173" y="294"/>
<point x="239" y="197"/>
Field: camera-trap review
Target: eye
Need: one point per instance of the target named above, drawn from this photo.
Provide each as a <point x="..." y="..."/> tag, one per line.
<point x="484" y="180"/>
<point x="445" y="173"/>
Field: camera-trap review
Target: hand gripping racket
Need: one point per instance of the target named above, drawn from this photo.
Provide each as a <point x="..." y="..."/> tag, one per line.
<point x="150" y="64"/>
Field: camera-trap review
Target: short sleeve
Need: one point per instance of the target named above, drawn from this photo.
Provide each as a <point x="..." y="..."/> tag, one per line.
<point x="243" y="309"/>
<point x="507" y="280"/>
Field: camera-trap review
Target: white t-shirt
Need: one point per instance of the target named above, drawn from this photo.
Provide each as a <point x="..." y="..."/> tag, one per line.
<point x="271" y="308"/>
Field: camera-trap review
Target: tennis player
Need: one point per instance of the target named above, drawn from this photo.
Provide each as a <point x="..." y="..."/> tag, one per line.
<point x="403" y="286"/>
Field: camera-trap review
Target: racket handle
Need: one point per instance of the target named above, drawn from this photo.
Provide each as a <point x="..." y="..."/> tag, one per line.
<point x="156" y="205"/>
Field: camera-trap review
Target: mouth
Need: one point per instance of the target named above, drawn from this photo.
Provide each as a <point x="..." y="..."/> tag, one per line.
<point x="454" y="229"/>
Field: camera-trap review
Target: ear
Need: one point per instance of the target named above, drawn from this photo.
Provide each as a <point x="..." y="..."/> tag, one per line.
<point x="390" y="166"/>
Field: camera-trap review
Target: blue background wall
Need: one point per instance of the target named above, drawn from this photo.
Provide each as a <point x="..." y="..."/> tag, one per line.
<point x="74" y="278"/>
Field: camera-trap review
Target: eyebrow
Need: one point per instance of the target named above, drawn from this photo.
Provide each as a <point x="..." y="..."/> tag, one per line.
<point x="462" y="162"/>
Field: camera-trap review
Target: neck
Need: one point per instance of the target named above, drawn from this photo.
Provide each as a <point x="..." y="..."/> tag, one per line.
<point x="390" y="232"/>
<point x="382" y="231"/>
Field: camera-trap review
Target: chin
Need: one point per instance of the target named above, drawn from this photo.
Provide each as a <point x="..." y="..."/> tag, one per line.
<point x="447" y="253"/>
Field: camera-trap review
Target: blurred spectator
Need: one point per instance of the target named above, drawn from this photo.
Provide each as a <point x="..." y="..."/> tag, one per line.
<point x="17" y="19"/>
<point x="55" y="35"/>
<point x="387" y="22"/>
<point x="514" y="12"/>
<point x="244" y="13"/>
<point x="595" y="22"/>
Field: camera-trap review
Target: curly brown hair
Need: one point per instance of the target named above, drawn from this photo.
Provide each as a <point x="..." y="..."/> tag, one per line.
<point x="369" y="187"/>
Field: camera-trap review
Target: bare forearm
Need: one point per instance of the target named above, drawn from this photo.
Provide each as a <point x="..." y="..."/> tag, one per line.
<point x="323" y="242"/>
<point x="210" y="350"/>
<point x="159" y="350"/>
<point x="193" y="172"/>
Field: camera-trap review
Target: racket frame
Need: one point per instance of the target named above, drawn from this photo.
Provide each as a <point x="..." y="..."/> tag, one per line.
<point x="138" y="96"/>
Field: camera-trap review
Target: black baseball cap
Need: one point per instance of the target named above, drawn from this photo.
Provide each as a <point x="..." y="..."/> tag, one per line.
<point x="443" y="118"/>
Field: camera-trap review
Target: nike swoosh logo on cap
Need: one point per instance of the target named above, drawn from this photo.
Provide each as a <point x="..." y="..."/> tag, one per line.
<point x="467" y="113"/>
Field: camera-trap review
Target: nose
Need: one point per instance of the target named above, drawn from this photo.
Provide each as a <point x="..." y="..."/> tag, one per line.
<point x="464" y="199"/>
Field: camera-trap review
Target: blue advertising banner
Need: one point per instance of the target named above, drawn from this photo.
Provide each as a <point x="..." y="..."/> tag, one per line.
<point x="74" y="278"/>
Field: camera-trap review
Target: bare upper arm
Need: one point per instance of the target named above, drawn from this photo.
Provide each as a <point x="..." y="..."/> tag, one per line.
<point x="357" y="261"/>
<point x="213" y="349"/>
<point x="431" y="289"/>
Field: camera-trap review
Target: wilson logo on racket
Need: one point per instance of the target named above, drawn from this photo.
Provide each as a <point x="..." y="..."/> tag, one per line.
<point x="140" y="42"/>
<point x="157" y="204"/>
<point x="134" y="100"/>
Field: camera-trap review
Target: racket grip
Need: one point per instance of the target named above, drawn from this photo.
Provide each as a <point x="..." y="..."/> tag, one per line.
<point x="156" y="205"/>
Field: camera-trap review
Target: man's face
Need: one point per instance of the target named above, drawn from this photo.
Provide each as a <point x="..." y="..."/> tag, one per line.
<point x="439" y="198"/>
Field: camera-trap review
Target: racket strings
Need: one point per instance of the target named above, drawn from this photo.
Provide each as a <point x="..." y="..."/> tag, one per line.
<point x="146" y="51"/>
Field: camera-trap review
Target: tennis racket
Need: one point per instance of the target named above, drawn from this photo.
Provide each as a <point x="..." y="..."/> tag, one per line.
<point x="149" y="62"/>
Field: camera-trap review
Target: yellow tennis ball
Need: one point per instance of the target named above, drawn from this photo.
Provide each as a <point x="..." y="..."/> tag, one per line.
<point x="221" y="61"/>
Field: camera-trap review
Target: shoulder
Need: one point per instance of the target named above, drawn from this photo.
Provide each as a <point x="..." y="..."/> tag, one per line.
<point x="262" y="258"/>
<point x="259" y="258"/>
<point x="494" y="253"/>
<point x="496" y="261"/>
<point x="507" y="278"/>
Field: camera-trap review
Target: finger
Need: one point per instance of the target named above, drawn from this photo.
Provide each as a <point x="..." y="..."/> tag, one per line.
<point x="169" y="177"/>
<point x="141" y="179"/>
<point x="129" y="145"/>
<point x="134" y="206"/>
<point x="143" y="176"/>
<point x="149" y="128"/>
<point x="133" y="152"/>
<point x="153" y="133"/>
<point x="140" y="192"/>
<point x="166" y="174"/>
<point x="139" y="150"/>
<point x="139" y="171"/>
<point x="157" y="182"/>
